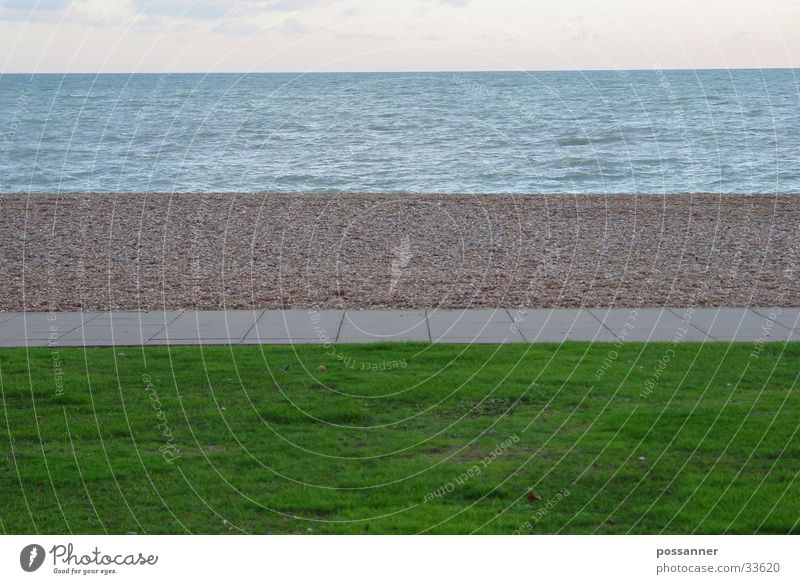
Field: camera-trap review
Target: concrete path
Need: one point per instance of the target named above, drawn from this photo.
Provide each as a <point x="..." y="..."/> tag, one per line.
<point x="189" y="327"/>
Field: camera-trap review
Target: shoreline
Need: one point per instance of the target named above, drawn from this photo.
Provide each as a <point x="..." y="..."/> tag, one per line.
<point x="130" y="251"/>
<point x="384" y="194"/>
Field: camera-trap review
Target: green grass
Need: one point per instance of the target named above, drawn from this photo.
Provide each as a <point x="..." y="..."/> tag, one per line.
<point x="653" y="438"/>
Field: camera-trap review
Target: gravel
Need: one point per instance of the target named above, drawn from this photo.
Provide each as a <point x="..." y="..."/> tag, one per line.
<point x="212" y="251"/>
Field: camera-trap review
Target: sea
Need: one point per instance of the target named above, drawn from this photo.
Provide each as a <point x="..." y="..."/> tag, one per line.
<point x="650" y="132"/>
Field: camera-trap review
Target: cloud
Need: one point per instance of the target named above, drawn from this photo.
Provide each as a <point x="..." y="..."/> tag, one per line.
<point x="740" y="37"/>
<point x="28" y="10"/>
<point x="85" y="11"/>
<point x="286" y="5"/>
<point x="117" y="11"/>
<point x="239" y="29"/>
<point x="33" y="5"/>
<point x="106" y="11"/>
<point x="198" y="9"/>
<point x="288" y="27"/>
<point x="364" y="35"/>
<point x="209" y="9"/>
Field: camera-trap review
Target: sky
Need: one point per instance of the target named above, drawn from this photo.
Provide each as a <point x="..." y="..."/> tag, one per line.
<point x="167" y="36"/>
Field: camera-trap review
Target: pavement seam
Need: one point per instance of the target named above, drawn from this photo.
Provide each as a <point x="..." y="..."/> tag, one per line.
<point x="603" y="324"/>
<point x="11" y="318"/>
<point x="428" y="324"/>
<point x="65" y="333"/>
<point x="694" y="326"/>
<point x="164" y="328"/>
<point x="514" y="326"/>
<point x="754" y="311"/>
<point x="252" y="326"/>
<point x="51" y="342"/>
<point x="341" y="322"/>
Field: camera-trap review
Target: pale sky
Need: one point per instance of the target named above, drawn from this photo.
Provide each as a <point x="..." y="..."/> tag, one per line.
<point x="395" y="35"/>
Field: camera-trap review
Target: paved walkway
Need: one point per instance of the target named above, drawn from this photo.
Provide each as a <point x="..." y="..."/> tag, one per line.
<point x="189" y="327"/>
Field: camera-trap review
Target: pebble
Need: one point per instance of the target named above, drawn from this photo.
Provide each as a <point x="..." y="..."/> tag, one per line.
<point x="253" y="251"/>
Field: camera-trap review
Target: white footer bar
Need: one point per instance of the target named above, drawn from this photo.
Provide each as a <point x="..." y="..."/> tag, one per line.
<point x="388" y="559"/>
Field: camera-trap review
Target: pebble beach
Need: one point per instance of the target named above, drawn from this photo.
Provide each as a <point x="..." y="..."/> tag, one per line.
<point x="113" y="251"/>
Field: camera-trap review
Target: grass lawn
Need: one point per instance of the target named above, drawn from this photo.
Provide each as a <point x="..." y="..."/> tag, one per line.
<point x="401" y="438"/>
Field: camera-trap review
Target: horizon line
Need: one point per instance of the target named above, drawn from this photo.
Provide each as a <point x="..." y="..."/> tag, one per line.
<point x="404" y="71"/>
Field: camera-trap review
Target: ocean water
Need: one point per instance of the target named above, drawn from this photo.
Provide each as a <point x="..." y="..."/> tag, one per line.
<point x="550" y="132"/>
